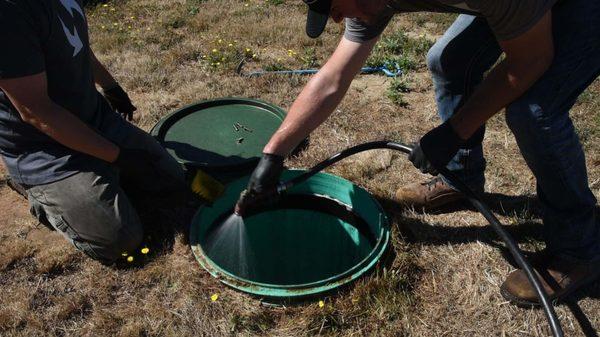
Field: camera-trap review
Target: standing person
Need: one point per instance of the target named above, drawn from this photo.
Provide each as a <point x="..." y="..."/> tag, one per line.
<point x="70" y="147"/>
<point x="552" y="51"/>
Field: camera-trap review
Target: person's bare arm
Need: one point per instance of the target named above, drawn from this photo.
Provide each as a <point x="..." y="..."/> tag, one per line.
<point x="528" y="56"/>
<point x="30" y="97"/>
<point x="320" y="96"/>
<point x="102" y="77"/>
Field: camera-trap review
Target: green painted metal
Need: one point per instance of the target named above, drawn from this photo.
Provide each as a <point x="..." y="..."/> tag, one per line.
<point x="301" y="250"/>
<point x="221" y="134"/>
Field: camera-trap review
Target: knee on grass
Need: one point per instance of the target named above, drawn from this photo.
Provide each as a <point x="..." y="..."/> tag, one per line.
<point x="111" y="248"/>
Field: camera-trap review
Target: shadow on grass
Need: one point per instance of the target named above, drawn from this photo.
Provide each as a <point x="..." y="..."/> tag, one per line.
<point x="417" y="231"/>
<point x="438" y="234"/>
<point x="572" y="302"/>
<point x="584" y="322"/>
<point x="507" y="205"/>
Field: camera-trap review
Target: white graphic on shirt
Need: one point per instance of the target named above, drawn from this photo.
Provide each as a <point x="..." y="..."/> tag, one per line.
<point x="73" y="38"/>
<point x="71" y="5"/>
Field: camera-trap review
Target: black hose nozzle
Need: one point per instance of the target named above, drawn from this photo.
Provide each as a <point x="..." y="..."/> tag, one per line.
<point x="252" y="200"/>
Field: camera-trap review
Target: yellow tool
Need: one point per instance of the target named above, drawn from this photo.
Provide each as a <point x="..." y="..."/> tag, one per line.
<point x="207" y="187"/>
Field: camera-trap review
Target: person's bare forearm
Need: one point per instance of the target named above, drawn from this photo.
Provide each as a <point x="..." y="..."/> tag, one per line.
<point x="70" y="131"/>
<point x="314" y="105"/>
<point x="29" y="95"/>
<point x="499" y="89"/>
<point x="102" y="77"/>
<point x="321" y="95"/>
<point x="528" y="56"/>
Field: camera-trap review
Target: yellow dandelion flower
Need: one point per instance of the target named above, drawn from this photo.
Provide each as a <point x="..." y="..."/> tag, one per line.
<point x="130" y="259"/>
<point x="248" y="50"/>
<point x="253" y="55"/>
<point x="321" y="304"/>
<point x="220" y="41"/>
<point x="145" y="250"/>
<point x="230" y="45"/>
<point x="105" y="5"/>
<point x="246" y="5"/>
<point x="115" y="24"/>
<point x="214" y="50"/>
<point x="218" y="63"/>
<point x="132" y="18"/>
<point x="214" y="297"/>
<point x="129" y="27"/>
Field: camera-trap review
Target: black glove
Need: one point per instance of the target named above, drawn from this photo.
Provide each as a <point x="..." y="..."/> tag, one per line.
<point x="120" y="102"/>
<point x="435" y="149"/>
<point x="139" y="167"/>
<point x="262" y="184"/>
<point x="266" y="174"/>
<point x="137" y="164"/>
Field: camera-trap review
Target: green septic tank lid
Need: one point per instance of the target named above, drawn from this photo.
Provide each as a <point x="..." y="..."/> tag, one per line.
<point x="227" y="133"/>
<point x="328" y="233"/>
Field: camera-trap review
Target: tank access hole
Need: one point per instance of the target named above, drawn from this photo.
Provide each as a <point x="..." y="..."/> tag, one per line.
<point x="301" y="239"/>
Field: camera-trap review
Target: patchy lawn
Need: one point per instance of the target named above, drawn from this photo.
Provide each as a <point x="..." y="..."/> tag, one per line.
<point x="447" y="268"/>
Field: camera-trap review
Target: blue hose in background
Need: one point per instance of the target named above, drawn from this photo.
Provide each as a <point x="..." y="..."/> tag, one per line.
<point x="389" y="70"/>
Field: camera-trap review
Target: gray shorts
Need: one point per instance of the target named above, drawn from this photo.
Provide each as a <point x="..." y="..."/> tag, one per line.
<point x="95" y="210"/>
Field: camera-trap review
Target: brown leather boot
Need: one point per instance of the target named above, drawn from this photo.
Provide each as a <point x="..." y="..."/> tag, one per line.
<point x="560" y="276"/>
<point x="428" y="195"/>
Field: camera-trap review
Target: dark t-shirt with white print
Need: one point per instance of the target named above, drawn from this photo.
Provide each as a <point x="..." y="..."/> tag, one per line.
<point x="50" y="36"/>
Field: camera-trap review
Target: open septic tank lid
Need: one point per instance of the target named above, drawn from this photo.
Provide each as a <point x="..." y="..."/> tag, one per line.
<point x="323" y="234"/>
<point x="224" y="134"/>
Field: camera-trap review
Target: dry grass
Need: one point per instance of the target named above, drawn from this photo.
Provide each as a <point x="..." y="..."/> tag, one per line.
<point x="444" y="277"/>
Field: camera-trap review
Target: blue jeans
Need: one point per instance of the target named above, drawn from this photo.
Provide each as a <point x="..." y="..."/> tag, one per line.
<point x="539" y="119"/>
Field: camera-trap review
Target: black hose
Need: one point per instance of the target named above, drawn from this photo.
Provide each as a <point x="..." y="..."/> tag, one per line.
<point x="473" y="198"/>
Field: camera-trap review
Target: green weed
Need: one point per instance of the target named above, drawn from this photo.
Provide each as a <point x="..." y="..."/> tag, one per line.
<point x="395" y="92"/>
<point x="226" y="54"/>
<point x="193" y="6"/>
<point x="399" y="49"/>
<point x="308" y="57"/>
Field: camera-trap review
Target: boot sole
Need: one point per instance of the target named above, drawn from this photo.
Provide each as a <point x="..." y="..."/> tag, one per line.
<point x="521" y="303"/>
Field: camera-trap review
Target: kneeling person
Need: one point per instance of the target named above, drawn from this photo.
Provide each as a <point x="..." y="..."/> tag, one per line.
<point x="67" y="144"/>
